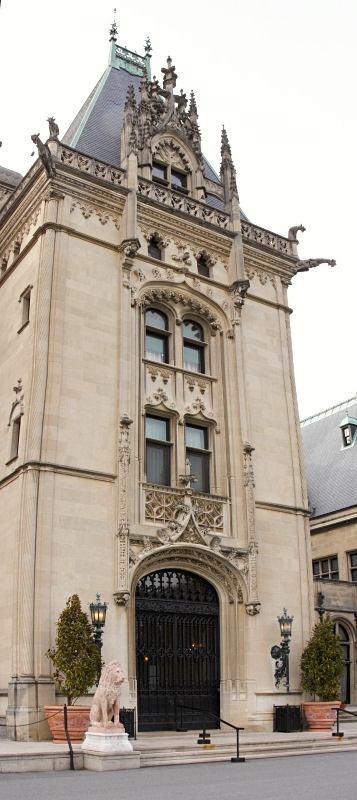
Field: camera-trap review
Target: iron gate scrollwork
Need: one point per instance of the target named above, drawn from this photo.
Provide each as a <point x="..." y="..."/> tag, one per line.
<point x="177" y="650"/>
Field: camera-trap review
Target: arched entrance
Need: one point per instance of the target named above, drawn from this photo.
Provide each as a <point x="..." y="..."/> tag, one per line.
<point x="177" y="650"/>
<point x="342" y="632"/>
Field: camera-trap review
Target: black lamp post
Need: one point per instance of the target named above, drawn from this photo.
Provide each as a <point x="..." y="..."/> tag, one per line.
<point x="281" y="654"/>
<point x="98" y="613"/>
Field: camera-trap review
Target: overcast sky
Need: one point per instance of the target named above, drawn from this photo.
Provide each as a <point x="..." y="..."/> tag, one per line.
<point x="281" y="76"/>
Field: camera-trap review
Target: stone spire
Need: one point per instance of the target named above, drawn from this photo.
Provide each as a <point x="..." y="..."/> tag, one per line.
<point x="227" y="173"/>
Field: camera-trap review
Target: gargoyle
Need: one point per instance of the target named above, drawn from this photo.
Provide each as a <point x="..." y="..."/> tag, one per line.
<point x="309" y="263"/>
<point x="293" y="231"/>
<point x="45" y="155"/>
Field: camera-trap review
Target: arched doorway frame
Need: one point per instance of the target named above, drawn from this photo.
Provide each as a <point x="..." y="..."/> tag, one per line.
<point x="231" y="589"/>
<point x="346" y="624"/>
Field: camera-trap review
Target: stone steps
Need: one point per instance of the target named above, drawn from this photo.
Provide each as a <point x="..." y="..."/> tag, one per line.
<point x="190" y="755"/>
<point x="161" y="750"/>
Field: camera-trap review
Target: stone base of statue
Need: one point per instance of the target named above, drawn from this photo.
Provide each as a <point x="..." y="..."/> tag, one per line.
<point x="108" y="749"/>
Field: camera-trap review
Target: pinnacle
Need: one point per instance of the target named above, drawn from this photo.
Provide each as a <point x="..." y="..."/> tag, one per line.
<point x="130" y="101"/>
<point x="193" y="107"/>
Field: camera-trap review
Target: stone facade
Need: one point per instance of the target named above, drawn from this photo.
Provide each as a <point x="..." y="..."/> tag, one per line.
<point x="330" y="448"/>
<point x="77" y="511"/>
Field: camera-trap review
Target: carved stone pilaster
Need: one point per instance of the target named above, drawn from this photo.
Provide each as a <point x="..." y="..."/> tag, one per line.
<point x="253" y="604"/>
<point x="122" y="594"/>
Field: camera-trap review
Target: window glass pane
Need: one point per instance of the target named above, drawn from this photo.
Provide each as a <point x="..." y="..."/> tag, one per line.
<point x="196" y="437"/>
<point x="158" y="463"/>
<point x="156" y="347"/>
<point x="353" y="559"/>
<point x="191" y="330"/>
<point x="200" y="469"/>
<point x="157" y="428"/>
<point x="178" y="179"/>
<point x="192" y="358"/>
<point x="315" y="567"/>
<point x="324" y="566"/>
<point x="156" y="319"/>
<point x="159" y="171"/>
<point x="334" y="563"/>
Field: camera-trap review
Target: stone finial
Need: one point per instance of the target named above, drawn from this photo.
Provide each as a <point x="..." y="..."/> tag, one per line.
<point x="148" y="47"/>
<point x="170" y="76"/>
<point x="225" y="146"/>
<point x="192" y="111"/>
<point x="113" y="32"/>
<point x="228" y="173"/>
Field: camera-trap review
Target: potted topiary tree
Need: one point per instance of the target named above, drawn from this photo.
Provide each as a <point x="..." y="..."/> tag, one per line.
<point x="77" y="665"/>
<point x="321" y="669"/>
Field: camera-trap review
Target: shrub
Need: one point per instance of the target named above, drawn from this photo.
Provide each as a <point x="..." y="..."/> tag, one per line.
<point x="321" y="662"/>
<point x="75" y="657"/>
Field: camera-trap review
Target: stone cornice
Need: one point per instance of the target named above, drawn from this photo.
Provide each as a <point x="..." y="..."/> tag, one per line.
<point x="59" y="229"/>
<point x="283" y="509"/>
<point x="60" y="469"/>
<point x="263" y="300"/>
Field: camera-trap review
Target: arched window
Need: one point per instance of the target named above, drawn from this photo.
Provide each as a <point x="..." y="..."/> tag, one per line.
<point x="193" y="346"/>
<point x="157" y="336"/>
<point x="154" y="249"/>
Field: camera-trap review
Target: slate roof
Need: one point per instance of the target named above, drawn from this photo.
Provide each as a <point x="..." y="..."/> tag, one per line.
<point x="331" y="469"/>
<point x="9" y="177"/>
<point x="96" y="130"/>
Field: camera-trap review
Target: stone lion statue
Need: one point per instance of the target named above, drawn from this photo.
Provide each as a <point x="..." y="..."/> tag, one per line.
<point x="106" y="699"/>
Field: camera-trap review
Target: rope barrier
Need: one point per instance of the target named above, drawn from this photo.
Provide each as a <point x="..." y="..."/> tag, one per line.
<point x="37" y="721"/>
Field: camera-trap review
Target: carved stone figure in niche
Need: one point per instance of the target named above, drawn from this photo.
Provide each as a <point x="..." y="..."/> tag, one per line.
<point x="106" y="699"/>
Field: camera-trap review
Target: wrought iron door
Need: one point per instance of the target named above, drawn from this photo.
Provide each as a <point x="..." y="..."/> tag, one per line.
<point x="177" y="651"/>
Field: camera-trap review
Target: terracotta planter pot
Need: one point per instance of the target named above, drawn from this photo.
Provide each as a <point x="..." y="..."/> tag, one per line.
<point x="77" y="720"/>
<point x="320" y="716"/>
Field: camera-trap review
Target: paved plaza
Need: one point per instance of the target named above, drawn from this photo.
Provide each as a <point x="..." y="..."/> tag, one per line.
<point x="316" y="777"/>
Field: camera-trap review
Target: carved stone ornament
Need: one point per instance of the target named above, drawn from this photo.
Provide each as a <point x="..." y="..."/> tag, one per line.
<point x="158" y="294"/>
<point x="129" y="247"/>
<point x="190" y="520"/>
<point x="122" y="594"/>
<point x="18" y="402"/>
